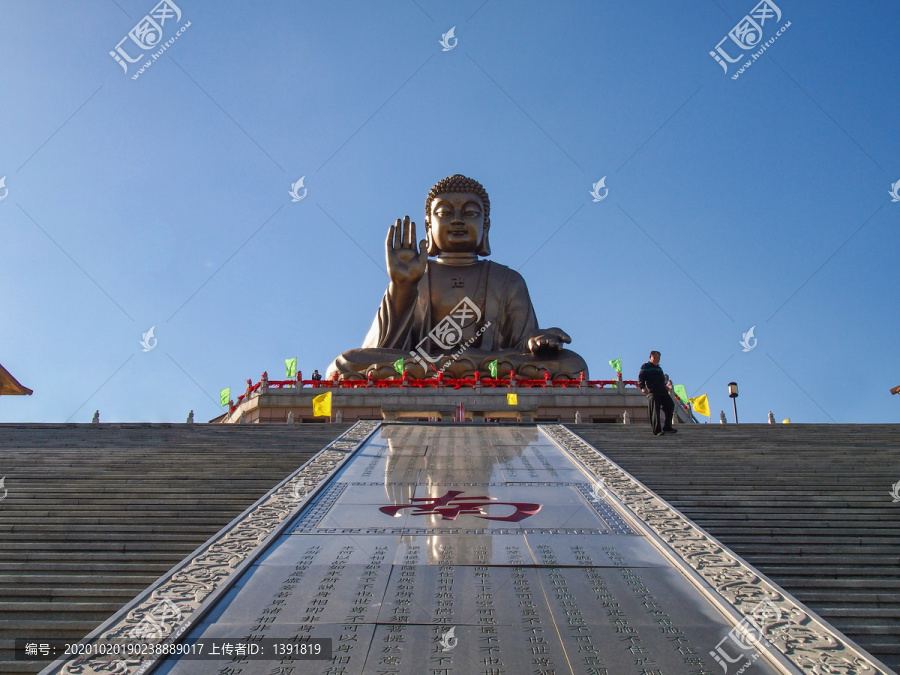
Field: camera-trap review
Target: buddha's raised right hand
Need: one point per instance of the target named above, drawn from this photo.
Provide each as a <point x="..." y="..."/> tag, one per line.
<point x="405" y="262"/>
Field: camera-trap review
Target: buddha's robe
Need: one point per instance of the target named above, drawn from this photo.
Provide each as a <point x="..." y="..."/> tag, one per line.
<point x="488" y="301"/>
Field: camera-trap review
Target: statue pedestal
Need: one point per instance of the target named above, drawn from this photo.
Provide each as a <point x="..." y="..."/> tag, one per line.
<point x="411" y="403"/>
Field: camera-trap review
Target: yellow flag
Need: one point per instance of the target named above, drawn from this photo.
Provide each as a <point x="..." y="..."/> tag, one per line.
<point x="322" y="405"/>
<point x="512" y="399"/>
<point x="701" y="404"/>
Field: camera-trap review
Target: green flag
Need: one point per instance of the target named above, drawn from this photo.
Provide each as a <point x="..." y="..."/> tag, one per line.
<point x="290" y="368"/>
<point x="492" y="366"/>
<point x="225" y="396"/>
<point x="617" y="365"/>
<point x="680" y="392"/>
<point x="398" y="366"/>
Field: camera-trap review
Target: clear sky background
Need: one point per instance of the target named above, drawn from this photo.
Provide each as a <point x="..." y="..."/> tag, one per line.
<point x="164" y="200"/>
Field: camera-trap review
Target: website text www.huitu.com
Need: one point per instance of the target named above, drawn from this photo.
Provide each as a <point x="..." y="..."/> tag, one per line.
<point x="168" y="43"/>
<point x="759" y="53"/>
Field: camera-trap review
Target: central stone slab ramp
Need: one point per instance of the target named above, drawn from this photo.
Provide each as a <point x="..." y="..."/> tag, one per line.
<point x="467" y="550"/>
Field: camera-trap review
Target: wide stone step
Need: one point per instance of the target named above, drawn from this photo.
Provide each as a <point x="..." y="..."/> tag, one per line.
<point x="47" y="530"/>
<point x="832" y="571"/>
<point x="188" y="519"/>
<point x="117" y="595"/>
<point x="884" y="650"/>
<point x="857" y="632"/>
<point x="8" y="667"/>
<point x="30" y="577"/>
<point x="25" y="560"/>
<point x="744" y="528"/>
<point x="881" y="615"/>
<point x="846" y="598"/>
<point x="134" y="564"/>
<point x="782" y="519"/>
<point x="760" y="557"/>
<point x="92" y="611"/>
<point x="95" y="510"/>
<point x="101" y="540"/>
<point x="840" y="543"/>
<point x="57" y="628"/>
<point x="795" y="581"/>
<point x="798" y="509"/>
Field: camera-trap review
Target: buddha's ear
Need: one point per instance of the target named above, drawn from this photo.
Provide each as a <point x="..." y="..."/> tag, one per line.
<point x="484" y="248"/>
<point x="433" y="250"/>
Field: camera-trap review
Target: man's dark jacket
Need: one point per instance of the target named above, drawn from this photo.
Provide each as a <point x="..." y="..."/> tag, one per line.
<point x="652" y="378"/>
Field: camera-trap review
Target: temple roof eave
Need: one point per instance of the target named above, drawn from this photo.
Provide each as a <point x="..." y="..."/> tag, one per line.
<point x="10" y="386"/>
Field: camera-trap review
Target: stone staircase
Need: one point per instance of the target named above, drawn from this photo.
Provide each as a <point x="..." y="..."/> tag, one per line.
<point x="96" y="513"/>
<point x="807" y="505"/>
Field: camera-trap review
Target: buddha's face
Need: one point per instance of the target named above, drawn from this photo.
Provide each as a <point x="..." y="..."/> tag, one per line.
<point x="457" y="222"/>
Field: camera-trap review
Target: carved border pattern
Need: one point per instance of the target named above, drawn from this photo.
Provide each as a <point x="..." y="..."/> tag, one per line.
<point x="187" y="586"/>
<point x="802" y="639"/>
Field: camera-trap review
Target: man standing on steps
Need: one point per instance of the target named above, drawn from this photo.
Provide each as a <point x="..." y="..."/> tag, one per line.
<point x="652" y="382"/>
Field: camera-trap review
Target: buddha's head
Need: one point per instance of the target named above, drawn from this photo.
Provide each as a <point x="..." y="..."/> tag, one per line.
<point x="458" y="217"/>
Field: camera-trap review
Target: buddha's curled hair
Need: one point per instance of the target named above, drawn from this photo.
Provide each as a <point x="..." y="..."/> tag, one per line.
<point x="459" y="183"/>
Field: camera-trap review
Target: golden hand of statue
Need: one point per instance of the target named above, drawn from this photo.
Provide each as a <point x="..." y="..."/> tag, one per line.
<point x="550" y="340"/>
<point x="405" y="261"/>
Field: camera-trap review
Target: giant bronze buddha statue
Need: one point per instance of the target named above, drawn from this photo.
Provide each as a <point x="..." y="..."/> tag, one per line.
<point x="446" y="310"/>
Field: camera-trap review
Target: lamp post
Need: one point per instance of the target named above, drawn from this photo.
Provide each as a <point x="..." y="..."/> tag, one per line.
<point x="733" y="393"/>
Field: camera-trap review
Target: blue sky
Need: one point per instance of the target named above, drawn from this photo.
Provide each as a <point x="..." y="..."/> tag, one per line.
<point x="163" y="200"/>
